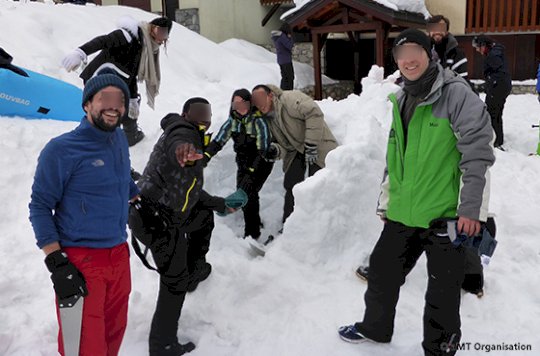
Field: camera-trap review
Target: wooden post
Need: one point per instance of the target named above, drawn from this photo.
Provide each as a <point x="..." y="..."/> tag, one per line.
<point x="470" y="13"/>
<point x="316" y="39"/>
<point x="380" y="34"/>
<point x="534" y="24"/>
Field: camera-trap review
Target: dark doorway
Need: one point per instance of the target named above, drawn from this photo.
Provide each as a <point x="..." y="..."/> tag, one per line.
<point x="140" y="4"/>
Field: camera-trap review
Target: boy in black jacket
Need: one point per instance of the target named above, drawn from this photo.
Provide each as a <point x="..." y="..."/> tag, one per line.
<point x="178" y="232"/>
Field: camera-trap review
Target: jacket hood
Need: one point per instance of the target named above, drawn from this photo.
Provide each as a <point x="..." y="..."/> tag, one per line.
<point x="275" y="89"/>
<point x="129" y="24"/>
<point x="497" y="49"/>
<point x="174" y="120"/>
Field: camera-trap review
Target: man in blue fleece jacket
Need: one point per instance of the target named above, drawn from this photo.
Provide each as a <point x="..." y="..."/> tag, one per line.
<point x="79" y="210"/>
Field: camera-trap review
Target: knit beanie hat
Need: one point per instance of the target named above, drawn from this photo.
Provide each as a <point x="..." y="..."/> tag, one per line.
<point x="104" y="78"/>
<point x="413" y="35"/>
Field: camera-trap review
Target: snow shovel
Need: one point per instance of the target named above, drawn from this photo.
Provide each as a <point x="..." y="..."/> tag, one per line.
<point x="71" y="310"/>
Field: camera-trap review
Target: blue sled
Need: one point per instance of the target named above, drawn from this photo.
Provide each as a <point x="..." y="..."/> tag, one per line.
<point x="38" y="96"/>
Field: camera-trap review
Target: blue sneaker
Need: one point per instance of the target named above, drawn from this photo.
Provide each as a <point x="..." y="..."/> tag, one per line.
<point x="350" y="334"/>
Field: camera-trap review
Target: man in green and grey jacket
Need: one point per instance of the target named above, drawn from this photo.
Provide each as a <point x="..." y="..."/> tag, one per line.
<point x="438" y="156"/>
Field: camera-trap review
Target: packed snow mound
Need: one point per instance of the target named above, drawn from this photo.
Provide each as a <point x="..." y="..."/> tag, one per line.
<point x="292" y="301"/>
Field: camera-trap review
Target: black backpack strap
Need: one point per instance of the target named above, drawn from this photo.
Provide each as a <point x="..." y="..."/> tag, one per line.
<point x="140" y="254"/>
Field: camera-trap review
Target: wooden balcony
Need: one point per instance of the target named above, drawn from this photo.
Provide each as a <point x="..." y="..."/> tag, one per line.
<point x="502" y="16"/>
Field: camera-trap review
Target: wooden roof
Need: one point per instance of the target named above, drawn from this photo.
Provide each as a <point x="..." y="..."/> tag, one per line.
<point x="326" y="13"/>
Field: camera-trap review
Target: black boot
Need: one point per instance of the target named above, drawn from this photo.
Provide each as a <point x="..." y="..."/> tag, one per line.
<point x="201" y="271"/>
<point x="176" y="349"/>
<point x="133" y="134"/>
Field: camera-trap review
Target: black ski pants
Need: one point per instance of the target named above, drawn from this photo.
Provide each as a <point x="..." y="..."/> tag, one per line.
<point x="252" y="183"/>
<point x="495" y="100"/>
<point x="180" y="251"/>
<point x="393" y="257"/>
<point x="295" y="174"/>
<point x="287" y="76"/>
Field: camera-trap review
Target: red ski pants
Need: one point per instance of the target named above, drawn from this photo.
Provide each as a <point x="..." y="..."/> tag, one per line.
<point x="108" y="280"/>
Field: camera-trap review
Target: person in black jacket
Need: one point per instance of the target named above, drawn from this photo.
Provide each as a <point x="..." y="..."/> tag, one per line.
<point x="133" y="51"/>
<point x="498" y="82"/>
<point x="445" y="48"/>
<point x="179" y="228"/>
<point x="252" y="139"/>
<point x="5" y="62"/>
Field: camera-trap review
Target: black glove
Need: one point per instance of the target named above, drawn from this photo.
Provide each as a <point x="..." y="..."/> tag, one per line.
<point x="538" y="97"/>
<point x="311" y="153"/>
<point x="272" y="153"/>
<point x="67" y="279"/>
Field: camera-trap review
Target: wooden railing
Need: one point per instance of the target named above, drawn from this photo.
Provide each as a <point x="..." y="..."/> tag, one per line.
<point x="502" y="16"/>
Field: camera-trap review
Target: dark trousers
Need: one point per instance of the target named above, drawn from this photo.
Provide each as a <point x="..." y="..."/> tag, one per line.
<point x="294" y="175"/>
<point x="287" y="76"/>
<point x="495" y="100"/>
<point x="252" y="183"/>
<point x="393" y="257"/>
<point x="180" y="251"/>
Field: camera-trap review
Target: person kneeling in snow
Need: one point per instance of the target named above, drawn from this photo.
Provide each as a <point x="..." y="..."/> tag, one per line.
<point x="179" y="226"/>
<point x="439" y="153"/>
<point x="79" y="212"/>
<point x="133" y="51"/>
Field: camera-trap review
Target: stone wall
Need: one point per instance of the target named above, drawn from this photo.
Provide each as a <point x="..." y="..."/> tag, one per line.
<point x="337" y="91"/>
<point x="523" y="89"/>
<point x="516" y="88"/>
<point x="343" y="89"/>
<point x="302" y="52"/>
<point x="189" y="18"/>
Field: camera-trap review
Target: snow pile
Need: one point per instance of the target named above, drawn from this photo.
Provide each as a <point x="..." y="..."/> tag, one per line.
<point x="303" y="73"/>
<point x="418" y="6"/>
<point x="292" y="301"/>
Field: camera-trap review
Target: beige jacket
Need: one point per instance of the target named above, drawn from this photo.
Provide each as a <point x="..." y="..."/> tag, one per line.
<point x="298" y="120"/>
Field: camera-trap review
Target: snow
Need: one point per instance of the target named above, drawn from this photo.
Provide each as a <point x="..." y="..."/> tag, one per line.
<point x="292" y="301"/>
<point x="418" y="6"/>
<point x="303" y="72"/>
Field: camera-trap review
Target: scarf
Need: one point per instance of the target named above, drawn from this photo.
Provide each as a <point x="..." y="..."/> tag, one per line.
<point x="415" y="92"/>
<point x="149" y="70"/>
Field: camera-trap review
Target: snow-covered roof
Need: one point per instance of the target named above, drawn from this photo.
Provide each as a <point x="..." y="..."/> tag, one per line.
<point x="415" y="6"/>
